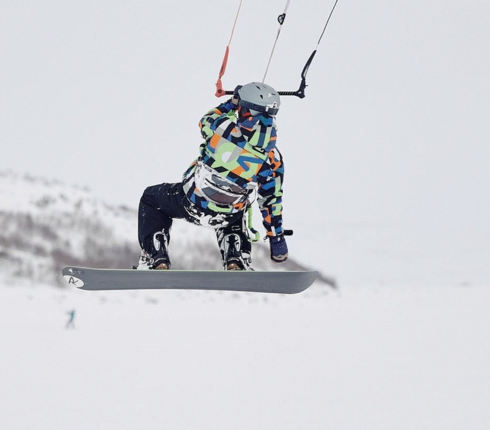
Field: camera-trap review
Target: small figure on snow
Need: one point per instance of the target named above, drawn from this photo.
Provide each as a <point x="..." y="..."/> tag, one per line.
<point x="71" y="319"/>
<point x="238" y="159"/>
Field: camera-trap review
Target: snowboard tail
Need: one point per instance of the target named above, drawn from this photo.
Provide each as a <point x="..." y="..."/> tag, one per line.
<point x="247" y="281"/>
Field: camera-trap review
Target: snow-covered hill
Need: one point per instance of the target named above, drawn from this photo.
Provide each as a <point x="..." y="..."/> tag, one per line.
<point x="45" y="225"/>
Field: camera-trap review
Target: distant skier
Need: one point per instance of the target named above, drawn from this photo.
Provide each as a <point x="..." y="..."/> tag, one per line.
<point x="71" y="319"/>
<point x="239" y="156"/>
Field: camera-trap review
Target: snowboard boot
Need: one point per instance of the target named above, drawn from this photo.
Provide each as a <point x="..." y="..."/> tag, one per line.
<point x="159" y="260"/>
<point x="233" y="259"/>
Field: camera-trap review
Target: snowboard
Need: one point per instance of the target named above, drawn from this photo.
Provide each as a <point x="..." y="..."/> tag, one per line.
<point x="250" y="281"/>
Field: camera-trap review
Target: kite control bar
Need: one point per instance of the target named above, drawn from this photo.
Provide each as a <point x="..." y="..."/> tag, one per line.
<point x="300" y="92"/>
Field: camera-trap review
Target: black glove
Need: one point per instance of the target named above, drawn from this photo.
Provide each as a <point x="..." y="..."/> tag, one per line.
<point x="236" y="97"/>
<point x="279" y="248"/>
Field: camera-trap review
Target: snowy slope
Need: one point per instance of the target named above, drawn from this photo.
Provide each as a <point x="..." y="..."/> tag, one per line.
<point x="45" y="225"/>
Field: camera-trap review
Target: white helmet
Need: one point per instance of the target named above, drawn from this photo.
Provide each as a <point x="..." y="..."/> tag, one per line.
<point x="259" y="97"/>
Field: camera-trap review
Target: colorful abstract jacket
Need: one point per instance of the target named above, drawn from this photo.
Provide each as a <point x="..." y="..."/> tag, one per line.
<point x="238" y="158"/>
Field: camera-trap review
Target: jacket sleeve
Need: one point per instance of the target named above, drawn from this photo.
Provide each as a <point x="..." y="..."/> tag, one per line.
<point x="270" y="193"/>
<point x="214" y="118"/>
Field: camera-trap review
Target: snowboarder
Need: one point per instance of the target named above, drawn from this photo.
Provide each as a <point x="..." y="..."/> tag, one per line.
<point x="238" y="159"/>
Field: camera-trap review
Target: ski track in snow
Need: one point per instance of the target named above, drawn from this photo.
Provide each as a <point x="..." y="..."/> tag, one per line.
<point x="384" y="357"/>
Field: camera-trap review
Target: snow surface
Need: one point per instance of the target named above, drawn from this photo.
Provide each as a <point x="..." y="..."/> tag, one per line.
<point x="365" y="358"/>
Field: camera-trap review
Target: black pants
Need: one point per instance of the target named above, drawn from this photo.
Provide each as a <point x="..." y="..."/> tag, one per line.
<point x="161" y="204"/>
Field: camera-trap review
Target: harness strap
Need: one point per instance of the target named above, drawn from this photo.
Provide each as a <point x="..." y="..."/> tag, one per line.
<point x="256" y="234"/>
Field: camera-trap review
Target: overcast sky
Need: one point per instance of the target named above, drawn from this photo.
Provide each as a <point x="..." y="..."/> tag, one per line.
<point x="388" y="153"/>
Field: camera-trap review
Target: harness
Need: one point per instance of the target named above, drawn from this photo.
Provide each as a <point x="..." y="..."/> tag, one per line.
<point x="217" y="189"/>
